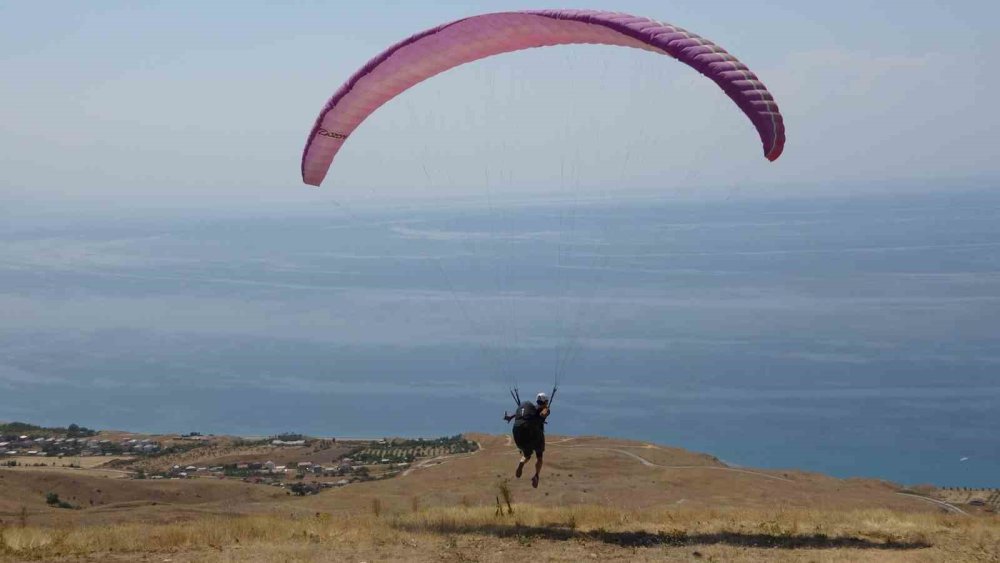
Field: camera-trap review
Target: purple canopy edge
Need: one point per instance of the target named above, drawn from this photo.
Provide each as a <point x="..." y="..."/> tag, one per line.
<point x="433" y="51"/>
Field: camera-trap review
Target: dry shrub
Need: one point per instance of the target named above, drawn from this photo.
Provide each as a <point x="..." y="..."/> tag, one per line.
<point x="503" y="487"/>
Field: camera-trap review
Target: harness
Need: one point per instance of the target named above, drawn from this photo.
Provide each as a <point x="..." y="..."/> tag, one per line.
<point x="516" y="395"/>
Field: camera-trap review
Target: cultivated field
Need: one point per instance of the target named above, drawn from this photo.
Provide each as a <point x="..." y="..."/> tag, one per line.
<point x="81" y="462"/>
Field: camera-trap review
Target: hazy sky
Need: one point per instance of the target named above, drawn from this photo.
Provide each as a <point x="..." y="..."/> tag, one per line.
<point x="208" y="103"/>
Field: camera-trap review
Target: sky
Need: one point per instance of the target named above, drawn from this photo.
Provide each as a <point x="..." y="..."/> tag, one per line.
<point x="207" y="105"/>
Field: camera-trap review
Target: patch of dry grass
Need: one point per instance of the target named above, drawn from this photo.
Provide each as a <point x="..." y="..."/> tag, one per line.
<point x="809" y="528"/>
<point x="199" y="534"/>
<point x="731" y="533"/>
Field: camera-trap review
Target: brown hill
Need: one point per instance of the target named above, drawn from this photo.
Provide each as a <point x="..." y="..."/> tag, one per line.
<point x="599" y="499"/>
<point x="578" y="471"/>
<point x="100" y="499"/>
<point x="617" y="473"/>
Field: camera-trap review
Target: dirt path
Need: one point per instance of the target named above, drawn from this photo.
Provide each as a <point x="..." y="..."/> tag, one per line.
<point x="648" y="463"/>
<point x="949" y="507"/>
<point x="441" y="459"/>
<point x="563" y="441"/>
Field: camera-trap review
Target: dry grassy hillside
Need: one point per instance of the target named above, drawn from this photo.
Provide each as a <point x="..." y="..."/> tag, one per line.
<point x="616" y="473"/>
<point x="105" y="500"/>
<point x="599" y="499"/>
<point x="580" y="533"/>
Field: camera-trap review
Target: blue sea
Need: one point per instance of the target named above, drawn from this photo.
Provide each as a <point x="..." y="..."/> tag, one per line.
<point x="851" y="336"/>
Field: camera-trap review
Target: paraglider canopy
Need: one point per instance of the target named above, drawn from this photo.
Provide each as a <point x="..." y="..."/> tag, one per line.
<point x="436" y="50"/>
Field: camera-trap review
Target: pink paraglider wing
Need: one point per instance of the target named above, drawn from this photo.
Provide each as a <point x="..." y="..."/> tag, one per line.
<point x="436" y="50"/>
